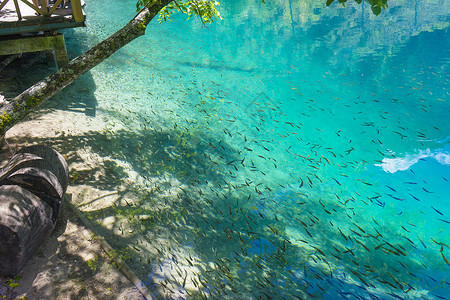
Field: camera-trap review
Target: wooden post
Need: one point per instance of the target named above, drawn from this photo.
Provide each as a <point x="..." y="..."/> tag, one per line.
<point x="3" y="4"/>
<point x="19" y="15"/>
<point x="50" y="55"/>
<point x="60" y="50"/>
<point x="77" y="10"/>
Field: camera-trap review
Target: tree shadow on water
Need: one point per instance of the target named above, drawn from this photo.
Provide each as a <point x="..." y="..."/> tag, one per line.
<point x="175" y="205"/>
<point x="180" y="207"/>
<point x="168" y="165"/>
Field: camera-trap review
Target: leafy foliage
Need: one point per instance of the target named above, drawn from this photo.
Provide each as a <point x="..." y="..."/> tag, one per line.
<point x="205" y="9"/>
<point x="376" y="5"/>
<point x="14" y="282"/>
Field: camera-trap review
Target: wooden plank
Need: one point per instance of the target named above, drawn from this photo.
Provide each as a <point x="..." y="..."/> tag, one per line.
<point x="10" y="24"/>
<point x="3" y="4"/>
<point x="28" y="10"/>
<point x="18" y="28"/>
<point x="9" y="12"/>
<point x="19" y="15"/>
<point x="77" y="11"/>
<point x="37" y="43"/>
<point x="54" y="7"/>
<point x="27" y="44"/>
<point x="35" y="8"/>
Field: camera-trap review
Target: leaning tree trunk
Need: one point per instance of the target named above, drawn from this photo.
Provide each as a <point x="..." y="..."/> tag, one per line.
<point x="15" y="110"/>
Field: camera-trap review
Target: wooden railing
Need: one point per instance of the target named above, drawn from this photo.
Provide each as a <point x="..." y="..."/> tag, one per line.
<point x="77" y="12"/>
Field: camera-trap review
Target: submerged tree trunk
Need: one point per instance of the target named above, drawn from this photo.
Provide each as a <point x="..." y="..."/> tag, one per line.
<point x="15" y="110"/>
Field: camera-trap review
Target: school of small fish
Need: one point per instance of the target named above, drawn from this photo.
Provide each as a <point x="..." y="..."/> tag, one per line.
<point x="237" y="201"/>
<point x="315" y="190"/>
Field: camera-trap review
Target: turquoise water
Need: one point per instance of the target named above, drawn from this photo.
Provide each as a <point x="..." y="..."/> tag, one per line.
<point x="290" y="150"/>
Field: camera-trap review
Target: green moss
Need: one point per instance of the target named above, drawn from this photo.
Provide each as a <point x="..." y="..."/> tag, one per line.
<point x="32" y="102"/>
<point x="93" y="263"/>
<point x="142" y="26"/>
<point x="5" y="119"/>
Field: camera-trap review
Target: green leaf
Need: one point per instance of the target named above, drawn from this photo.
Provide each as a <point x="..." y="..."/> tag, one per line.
<point x="12" y="283"/>
<point x="376" y="10"/>
<point x="329" y="2"/>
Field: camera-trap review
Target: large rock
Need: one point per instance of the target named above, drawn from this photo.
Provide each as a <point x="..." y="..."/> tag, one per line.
<point x="25" y="221"/>
<point x="32" y="185"/>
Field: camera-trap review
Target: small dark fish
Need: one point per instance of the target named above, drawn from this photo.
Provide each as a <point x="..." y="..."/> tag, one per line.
<point x="396" y="198"/>
<point x="382" y="204"/>
<point x="375" y="221"/>
<point x="437" y="211"/>
<point x="308" y="232"/>
<point x="366" y="183"/>
<point x="427" y="191"/>
<point x="365" y="247"/>
<point x="404" y="228"/>
<point x="337" y="250"/>
<point x="414" y="197"/>
<point x="391" y="188"/>
<point x="408" y="239"/>
<point x="349" y="251"/>
<point x="379" y="246"/>
<point x="336" y="256"/>
<point x="343" y="235"/>
<point x="318" y="178"/>
<point x="318" y="250"/>
<point x="355" y="232"/>
<point x="359" y="228"/>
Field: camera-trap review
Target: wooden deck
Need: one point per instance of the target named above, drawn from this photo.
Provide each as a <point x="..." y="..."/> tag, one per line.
<point x="21" y="16"/>
<point x="25" y="27"/>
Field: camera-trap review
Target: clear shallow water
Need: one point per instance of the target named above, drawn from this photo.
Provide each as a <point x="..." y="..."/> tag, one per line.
<point x="288" y="150"/>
